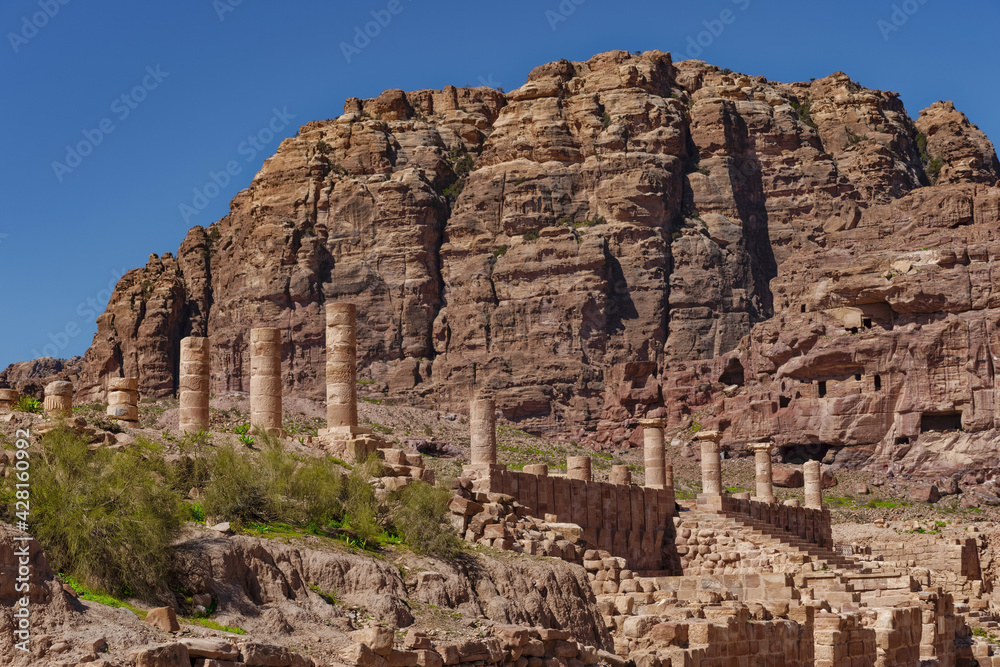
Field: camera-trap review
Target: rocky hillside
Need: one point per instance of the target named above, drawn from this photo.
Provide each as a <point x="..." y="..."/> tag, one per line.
<point x="621" y="237"/>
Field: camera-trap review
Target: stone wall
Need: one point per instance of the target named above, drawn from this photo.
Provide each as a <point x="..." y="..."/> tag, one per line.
<point x="632" y="522"/>
<point x="506" y="645"/>
<point x="810" y="524"/>
<point x="843" y="641"/>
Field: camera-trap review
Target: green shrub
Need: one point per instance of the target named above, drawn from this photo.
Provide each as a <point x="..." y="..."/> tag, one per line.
<point x="235" y="489"/>
<point x="105" y="516"/>
<point x="27" y="404"/>
<point x="804" y="112"/>
<point x="531" y="235"/>
<point x="420" y="514"/>
<point x="361" y="507"/>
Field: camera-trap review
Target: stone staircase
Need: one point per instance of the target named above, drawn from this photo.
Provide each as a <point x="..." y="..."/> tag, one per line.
<point x="823" y="573"/>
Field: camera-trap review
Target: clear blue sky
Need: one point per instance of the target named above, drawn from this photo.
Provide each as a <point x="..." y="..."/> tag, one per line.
<point x="215" y="76"/>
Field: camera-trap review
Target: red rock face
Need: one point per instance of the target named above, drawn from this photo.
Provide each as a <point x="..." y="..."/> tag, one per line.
<point x="618" y="238"/>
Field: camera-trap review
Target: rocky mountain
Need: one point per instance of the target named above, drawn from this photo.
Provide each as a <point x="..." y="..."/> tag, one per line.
<point x="617" y="238"/>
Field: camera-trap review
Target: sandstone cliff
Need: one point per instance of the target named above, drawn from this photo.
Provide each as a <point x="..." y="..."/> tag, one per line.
<point x="616" y="238"/>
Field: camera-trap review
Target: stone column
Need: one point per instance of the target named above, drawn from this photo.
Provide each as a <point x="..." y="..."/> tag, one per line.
<point x="620" y="475"/>
<point x="653" y="451"/>
<point x="194" y="384"/>
<point x="539" y="469"/>
<point x="711" y="469"/>
<point x="59" y="399"/>
<point x="762" y="457"/>
<point x="123" y="399"/>
<point x="668" y="476"/>
<point x="578" y="467"/>
<point x="341" y="367"/>
<point x="265" y="380"/>
<point x="8" y="399"/>
<point x="812" y="477"/>
<point x="483" y="427"/>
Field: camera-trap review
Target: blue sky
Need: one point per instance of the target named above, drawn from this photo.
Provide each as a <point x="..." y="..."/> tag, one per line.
<point x="166" y="93"/>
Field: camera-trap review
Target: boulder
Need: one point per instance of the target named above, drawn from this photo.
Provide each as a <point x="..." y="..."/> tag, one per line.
<point x="924" y="493"/>
<point x="160" y="655"/>
<point x="163" y="618"/>
<point x="787" y="478"/>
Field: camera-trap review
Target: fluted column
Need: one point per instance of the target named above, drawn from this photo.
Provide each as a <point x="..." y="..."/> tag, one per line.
<point x="653" y="451"/>
<point x="483" y="431"/>
<point x="341" y="366"/>
<point x="59" y="399"/>
<point x="265" y="379"/>
<point x="193" y="386"/>
<point x="762" y="458"/>
<point x="812" y="476"/>
<point x="123" y="399"/>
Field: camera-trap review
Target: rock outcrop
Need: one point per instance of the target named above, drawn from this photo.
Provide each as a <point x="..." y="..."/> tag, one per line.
<point x="617" y="238"/>
<point x="29" y="378"/>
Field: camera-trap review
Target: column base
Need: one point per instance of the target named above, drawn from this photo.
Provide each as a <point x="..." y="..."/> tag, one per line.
<point x="476" y="471"/>
<point x="710" y="501"/>
<point x="764" y="499"/>
<point x="343" y="431"/>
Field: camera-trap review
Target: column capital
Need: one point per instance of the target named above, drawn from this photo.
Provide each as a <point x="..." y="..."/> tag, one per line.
<point x="653" y="423"/>
<point x="767" y="446"/>
<point x="710" y="436"/>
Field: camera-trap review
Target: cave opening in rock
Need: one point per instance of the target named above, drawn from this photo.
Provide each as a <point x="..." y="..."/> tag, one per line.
<point x="866" y="323"/>
<point x="802" y="308"/>
<point x="798" y="454"/>
<point x="822" y="388"/>
<point x="857" y="377"/>
<point x="902" y="440"/>
<point x="784" y="401"/>
<point x="940" y="421"/>
<point x="878" y="383"/>
<point x="733" y="373"/>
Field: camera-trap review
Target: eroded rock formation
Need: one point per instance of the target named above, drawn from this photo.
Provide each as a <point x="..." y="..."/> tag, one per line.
<point x="617" y="239"/>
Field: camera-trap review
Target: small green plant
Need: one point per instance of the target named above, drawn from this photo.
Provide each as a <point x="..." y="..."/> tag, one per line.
<point x="500" y="252"/>
<point x="323" y="147"/>
<point x="197" y="512"/>
<point x="99" y="597"/>
<point x="27" y="404"/>
<point x="605" y="120"/>
<point x="520" y="181"/>
<point x="727" y="71"/>
<point x="531" y="236"/>
<point x="247" y="440"/>
<point x="205" y="623"/>
<point x="855" y="139"/>
<point x="328" y="596"/>
<point x="804" y="111"/>
<point x="462" y="164"/>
